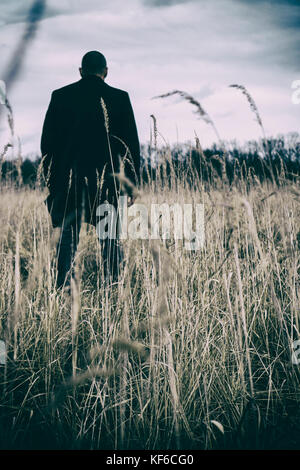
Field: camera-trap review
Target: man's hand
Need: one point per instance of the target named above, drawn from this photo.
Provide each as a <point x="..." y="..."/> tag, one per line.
<point x="131" y="200"/>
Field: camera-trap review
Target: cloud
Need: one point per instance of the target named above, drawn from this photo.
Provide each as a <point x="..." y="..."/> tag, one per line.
<point x="162" y="3"/>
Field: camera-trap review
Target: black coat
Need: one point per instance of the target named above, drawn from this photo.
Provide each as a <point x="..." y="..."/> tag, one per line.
<point x="79" y="156"/>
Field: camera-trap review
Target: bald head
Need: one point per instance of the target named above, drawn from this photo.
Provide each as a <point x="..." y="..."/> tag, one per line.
<point x="93" y="63"/>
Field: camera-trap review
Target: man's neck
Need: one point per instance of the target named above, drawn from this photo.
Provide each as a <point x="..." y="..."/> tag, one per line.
<point x="94" y="75"/>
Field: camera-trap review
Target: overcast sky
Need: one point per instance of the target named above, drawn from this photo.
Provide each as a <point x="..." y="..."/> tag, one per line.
<point x="155" y="46"/>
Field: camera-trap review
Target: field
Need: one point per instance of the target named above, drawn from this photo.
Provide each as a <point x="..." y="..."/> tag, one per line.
<point x="193" y="349"/>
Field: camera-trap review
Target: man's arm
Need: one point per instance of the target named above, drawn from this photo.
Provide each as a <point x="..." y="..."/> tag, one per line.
<point x="131" y="139"/>
<point x="48" y="140"/>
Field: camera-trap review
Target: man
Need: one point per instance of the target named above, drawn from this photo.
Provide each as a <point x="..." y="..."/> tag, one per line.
<point x="89" y="126"/>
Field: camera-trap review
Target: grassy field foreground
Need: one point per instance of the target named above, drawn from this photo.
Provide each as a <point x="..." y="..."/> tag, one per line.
<point x="191" y="350"/>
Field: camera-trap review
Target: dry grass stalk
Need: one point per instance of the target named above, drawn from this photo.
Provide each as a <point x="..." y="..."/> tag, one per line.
<point x="199" y="109"/>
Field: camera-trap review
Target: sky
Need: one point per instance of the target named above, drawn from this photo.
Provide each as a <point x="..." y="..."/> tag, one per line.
<point x="153" y="47"/>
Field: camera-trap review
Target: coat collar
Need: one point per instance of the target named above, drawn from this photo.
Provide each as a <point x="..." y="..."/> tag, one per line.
<point x="92" y="78"/>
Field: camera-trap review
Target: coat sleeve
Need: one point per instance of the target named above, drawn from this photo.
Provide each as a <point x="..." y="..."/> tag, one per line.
<point x="48" y="140"/>
<point x="130" y="137"/>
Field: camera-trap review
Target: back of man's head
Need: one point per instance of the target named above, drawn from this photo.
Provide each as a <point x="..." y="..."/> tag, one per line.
<point x="93" y="63"/>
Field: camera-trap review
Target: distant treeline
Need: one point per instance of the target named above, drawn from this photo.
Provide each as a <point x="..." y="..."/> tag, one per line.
<point x="255" y="162"/>
<point x="271" y="160"/>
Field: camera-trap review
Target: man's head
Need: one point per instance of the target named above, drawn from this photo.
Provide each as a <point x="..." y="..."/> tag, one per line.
<point x="93" y="63"/>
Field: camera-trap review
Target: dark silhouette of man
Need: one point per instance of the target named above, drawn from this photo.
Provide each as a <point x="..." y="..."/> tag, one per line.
<point x="89" y="127"/>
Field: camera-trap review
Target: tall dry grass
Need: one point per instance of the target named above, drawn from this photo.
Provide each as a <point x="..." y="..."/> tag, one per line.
<point x="191" y="349"/>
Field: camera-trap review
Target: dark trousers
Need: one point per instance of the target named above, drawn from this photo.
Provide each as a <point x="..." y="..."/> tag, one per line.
<point x="111" y="252"/>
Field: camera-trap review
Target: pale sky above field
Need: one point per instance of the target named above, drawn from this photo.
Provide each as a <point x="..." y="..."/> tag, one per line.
<point x="156" y="46"/>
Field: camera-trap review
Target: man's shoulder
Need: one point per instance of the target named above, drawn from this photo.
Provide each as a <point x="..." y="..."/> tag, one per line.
<point x="66" y="89"/>
<point x="116" y="91"/>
